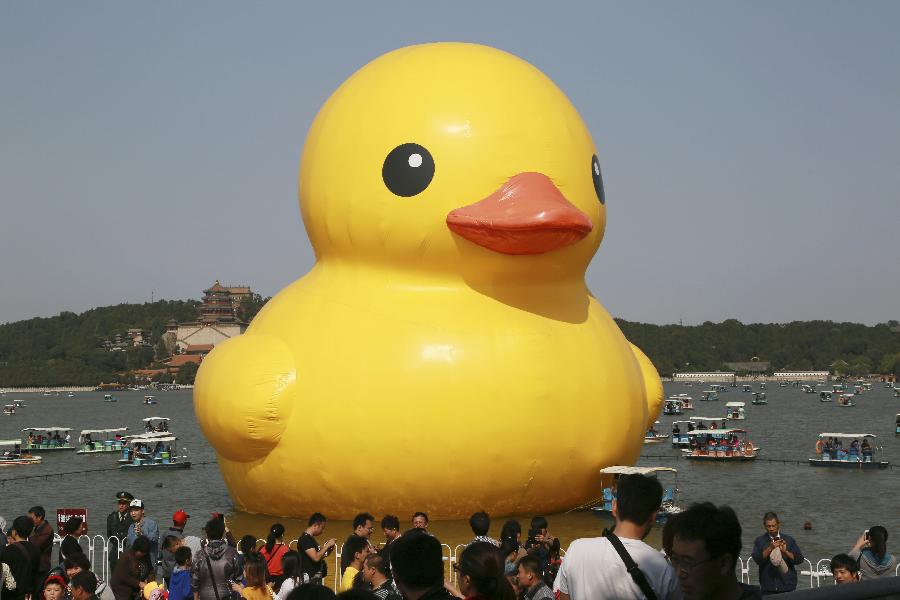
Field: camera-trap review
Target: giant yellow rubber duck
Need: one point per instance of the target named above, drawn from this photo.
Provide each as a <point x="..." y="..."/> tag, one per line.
<point x="444" y="353"/>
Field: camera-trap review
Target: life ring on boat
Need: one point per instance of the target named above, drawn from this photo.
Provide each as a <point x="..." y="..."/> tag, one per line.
<point x="749" y="449"/>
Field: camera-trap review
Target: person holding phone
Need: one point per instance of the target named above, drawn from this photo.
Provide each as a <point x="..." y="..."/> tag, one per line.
<point x="777" y="554"/>
<point x="871" y="551"/>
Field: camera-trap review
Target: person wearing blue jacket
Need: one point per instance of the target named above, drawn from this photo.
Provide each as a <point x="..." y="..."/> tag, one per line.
<point x="777" y="554"/>
<point x="180" y="582"/>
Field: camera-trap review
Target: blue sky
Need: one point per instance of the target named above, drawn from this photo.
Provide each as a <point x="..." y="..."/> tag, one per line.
<point x="750" y="150"/>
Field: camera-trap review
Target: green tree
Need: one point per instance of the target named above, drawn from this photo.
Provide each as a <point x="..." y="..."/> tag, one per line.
<point x="186" y="374"/>
<point x="890" y="363"/>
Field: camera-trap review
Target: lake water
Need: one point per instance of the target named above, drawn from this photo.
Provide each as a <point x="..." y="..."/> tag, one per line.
<point x="840" y="503"/>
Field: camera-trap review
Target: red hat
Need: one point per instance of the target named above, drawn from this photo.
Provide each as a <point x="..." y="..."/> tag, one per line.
<point x="180" y="517"/>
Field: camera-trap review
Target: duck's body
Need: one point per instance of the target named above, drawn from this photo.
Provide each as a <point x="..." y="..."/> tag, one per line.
<point x="418" y="369"/>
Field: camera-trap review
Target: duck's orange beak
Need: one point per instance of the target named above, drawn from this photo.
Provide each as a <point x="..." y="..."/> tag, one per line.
<point x="527" y="215"/>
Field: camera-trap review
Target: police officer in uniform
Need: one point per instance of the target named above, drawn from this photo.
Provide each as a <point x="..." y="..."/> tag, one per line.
<point x="117" y="524"/>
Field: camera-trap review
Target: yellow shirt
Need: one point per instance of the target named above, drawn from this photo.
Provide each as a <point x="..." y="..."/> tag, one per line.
<point x="347" y="579"/>
<point x="257" y="593"/>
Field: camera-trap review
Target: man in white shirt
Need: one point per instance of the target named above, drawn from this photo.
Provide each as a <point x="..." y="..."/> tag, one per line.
<point x="593" y="569"/>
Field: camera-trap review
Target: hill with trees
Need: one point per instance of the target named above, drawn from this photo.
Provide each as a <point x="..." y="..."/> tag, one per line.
<point x="842" y="348"/>
<point x="68" y="349"/>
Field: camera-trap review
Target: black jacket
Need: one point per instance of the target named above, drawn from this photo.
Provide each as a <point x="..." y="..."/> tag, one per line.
<point x="23" y="559"/>
<point x="117" y="526"/>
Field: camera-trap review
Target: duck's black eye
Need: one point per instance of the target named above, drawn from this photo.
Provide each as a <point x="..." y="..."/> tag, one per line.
<point x="407" y="170"/>
<point x="598" y="179"/>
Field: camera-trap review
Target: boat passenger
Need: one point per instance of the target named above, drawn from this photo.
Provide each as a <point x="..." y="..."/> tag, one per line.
<point x="701" y="425"/>
<point x="854" y="449"/>
<point x="31" y="436"/>
<point x="866" y="448"/>
<point x="676" y="430"/>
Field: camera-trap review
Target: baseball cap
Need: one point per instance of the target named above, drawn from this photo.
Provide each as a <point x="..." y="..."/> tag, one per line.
<point x="180" y="516"/>
<point x="136" y="504"/>
<point x="124" y="497"/>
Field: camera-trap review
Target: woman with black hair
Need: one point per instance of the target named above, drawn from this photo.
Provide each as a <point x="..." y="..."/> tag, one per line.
<point x="481" y="573"/>
<point x="293" y="574"/>
<point x="74" y="527"/>
<point x="871" y="551"/>
<point x="273" y="552"/>
<point x="512" y="532"/>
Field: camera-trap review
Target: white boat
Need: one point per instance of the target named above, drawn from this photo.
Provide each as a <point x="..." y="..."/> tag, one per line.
<point x="734" y="411"/>
<point x="669" y="505"/>
<point x="55" y="438"/>
<point x="109" y="398"/>
<point x="12" y="455"/>
<point x="101" y="441"/>
<point x="831" y="453"/>
<point x="70" y="395"/>
<point x="746" y="388"/>
<point x="9" y="409"/>
<point x="156" y="424"/>
<point x="721" y="445"/>
<point x="680" y="430"/>
<point x="759" y="398"/>
<point x="673" y="406"/>
<point x="705" y="422"/>
<point x="152" y="452"/>
<point x="709" y="396"/>
<point x="845" y="400"/>
<point x="149" y="399"/>
<point x="808" y="389"/>
<point x="762" y="385"/>
<point x="654" y="437"/>
<point x="19" y="404"/>
<point x="825" y="397"/>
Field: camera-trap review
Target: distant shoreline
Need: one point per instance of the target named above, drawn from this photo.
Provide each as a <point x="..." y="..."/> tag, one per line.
<point x="67" y="388"/>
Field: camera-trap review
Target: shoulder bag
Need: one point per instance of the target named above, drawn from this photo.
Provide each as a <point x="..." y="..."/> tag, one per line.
<point x="636" y="574"/>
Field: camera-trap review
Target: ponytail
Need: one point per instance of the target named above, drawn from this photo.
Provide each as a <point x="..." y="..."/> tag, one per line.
<point x="878" y="541"/>
<point x="275" y="532"/>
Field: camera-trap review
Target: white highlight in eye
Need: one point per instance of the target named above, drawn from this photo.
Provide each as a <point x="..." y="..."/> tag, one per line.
<point x="597" y="168"/>
<point x="415" y="160"/>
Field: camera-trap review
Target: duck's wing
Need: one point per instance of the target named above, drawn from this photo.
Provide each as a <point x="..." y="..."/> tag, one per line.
<point x="243" y="395"/>
<point x="653" y="388"/>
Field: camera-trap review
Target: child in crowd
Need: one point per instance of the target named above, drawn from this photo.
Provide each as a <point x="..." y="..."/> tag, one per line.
<point x="255" y="575"/>
<point x="180" y="582"/>
<point x="54" y="588"/>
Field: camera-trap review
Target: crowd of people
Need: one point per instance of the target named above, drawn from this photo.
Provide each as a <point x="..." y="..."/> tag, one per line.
<point x="698" y="559"/>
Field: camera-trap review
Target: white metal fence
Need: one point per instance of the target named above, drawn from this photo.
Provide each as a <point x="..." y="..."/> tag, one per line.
<point x="97" y="548"/>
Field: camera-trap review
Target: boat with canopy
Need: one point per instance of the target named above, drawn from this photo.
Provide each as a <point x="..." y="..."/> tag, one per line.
<point x="101" y="441"/>
<point x="669" y="505"/>
<point x="47" y="439"/>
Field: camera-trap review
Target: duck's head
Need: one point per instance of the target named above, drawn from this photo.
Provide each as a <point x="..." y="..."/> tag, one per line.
<point x="453" y="159"/>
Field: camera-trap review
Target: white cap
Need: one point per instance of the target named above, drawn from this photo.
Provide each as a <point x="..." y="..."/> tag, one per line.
<point x="136" y="504"/>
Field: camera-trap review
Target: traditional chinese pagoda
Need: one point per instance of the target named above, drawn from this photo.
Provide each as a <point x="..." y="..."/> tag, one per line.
<point x="217" y="321"/>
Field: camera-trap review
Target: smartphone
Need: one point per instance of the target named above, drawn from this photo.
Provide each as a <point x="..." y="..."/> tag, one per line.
<point x="866" y="534"/>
